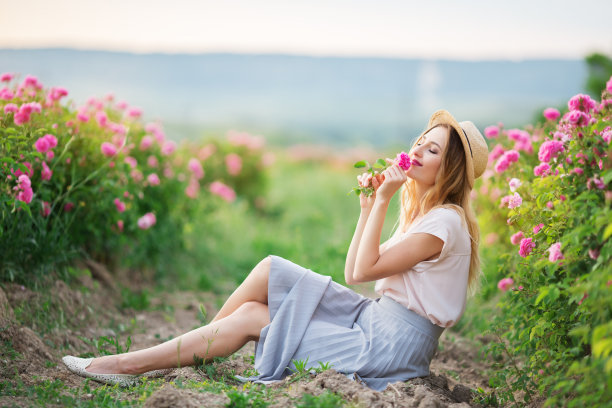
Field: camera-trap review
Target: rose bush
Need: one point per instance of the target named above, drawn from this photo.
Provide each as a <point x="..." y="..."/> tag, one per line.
<point x="96" y="181"/>
<point x="544" y="207"/>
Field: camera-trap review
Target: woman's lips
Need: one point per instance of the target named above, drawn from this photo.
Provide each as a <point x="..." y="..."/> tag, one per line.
<point x="416" y="162"/>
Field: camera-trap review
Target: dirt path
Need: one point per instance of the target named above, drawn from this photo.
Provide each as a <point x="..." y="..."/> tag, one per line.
<point x="456" y="370"/>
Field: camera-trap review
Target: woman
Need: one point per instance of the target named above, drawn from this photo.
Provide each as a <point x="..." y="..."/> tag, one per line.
<point x="422" y="273"/>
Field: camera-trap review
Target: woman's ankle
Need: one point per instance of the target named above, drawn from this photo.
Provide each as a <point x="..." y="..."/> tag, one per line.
<point x="127" y="365"/>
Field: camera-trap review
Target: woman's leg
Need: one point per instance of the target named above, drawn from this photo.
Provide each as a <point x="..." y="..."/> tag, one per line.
<point x="217" y="339"/>
<point x="253" y="288"/>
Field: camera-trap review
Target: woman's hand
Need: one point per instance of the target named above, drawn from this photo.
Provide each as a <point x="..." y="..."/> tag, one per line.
<point x="366" y="180"/>
<point x="393" y="178"/>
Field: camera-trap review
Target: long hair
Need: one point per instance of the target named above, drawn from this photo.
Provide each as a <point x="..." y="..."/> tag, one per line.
<point x="450" y="190"/>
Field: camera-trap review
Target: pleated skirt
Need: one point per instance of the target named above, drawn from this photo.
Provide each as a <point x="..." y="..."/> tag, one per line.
<point x="316" y="320"/>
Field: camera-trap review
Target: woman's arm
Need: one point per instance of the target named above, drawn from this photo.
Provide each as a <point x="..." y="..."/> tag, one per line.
<point x="366" y="207"/>
<point x="349" y="264"/>
<point x="369" y="264"/>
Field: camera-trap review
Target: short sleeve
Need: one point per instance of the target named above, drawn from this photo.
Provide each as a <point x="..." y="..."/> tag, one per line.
<point x="442" y="223"/>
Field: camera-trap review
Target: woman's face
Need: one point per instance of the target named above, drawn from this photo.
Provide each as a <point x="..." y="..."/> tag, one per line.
<point x="427" y="155"/>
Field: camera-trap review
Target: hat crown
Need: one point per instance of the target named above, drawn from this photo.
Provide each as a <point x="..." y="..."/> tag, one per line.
<point x="478" y="147"/>
<point x="474" y="144"/>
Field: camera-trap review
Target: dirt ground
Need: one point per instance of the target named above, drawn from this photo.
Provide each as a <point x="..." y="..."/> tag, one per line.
<point x="456" y="371"/>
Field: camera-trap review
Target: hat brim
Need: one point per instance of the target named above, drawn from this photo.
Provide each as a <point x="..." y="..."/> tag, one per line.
<point x="443" y="117"/>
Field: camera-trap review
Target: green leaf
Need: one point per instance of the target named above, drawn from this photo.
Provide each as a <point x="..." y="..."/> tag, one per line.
<point x="608" y="231"/>
<point x="360" y="164"/>
<point x="543" y="292"/>
<point x="380" y="164"/>
<point x="602" y="348"/>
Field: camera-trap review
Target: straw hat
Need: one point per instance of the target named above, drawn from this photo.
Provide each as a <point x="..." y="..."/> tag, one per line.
<point x="474" y="145"/>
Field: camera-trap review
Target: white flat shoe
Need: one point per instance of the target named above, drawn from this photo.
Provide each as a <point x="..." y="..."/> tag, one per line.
<point x="77" y="365"/>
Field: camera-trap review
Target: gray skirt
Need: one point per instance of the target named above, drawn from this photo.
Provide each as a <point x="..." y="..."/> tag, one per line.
<point x="317" y="320"/>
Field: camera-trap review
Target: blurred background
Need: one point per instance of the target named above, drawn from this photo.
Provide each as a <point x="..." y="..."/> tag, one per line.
<point x="340" y="72"/>
<point x="324" y="83"/>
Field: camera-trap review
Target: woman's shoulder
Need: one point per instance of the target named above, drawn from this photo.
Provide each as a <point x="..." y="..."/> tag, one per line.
<point x="447" y="212"/>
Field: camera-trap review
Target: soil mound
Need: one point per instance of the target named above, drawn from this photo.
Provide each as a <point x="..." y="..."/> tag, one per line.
<point x="170" y="397"/>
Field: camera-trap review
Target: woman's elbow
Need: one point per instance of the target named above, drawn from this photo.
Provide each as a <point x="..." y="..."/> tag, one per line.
<point x="359" y="276"/>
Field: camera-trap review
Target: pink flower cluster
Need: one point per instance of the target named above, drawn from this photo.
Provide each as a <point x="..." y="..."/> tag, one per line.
<point x="516" y="238"/>
<point x="551" y="113"/>
<point x="527" y="245"/>
<point x="522" y="140"/>
<point x="403" y="160"/>
<point x="542" y="169"/>
<point x="24" y="189"/>
<point x="505" y="284"/>
<point x="550" y="149"/>
<point x="245" y="139"/>
<point x="222" y="190"/>
<point x="147" y="221"/>
<point x="509" y="157"/>
<point x="513" y="201"/>
<point x="45" y="143"/>
<point x="491" y="132"/>
<point x="233" y="162"/>
<point x="555" y="253"/>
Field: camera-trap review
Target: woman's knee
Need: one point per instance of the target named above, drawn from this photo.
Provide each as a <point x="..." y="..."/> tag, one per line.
<point x="262" y="269"/>
<point x="254" y="315"/>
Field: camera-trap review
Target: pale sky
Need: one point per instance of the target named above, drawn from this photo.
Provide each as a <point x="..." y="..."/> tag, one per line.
<point x="448" y="29"/>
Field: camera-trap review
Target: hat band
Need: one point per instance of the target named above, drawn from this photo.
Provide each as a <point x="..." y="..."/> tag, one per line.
<point x="469" y="145"/>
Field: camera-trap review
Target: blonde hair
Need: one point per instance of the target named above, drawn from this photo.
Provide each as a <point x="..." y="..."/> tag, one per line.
<point x="451" y="190"/>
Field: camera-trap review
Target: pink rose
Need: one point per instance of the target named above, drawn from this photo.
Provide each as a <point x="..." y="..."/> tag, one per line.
<point x="131" y="161"/>
<point x="492" y="132"/>
<point x="594" y="254"/>
<point x="550" y="149"/>
<point x="195" y="167"/>
<point x="598" y="182"/>
<point x="537" y="228"/>
<point x="146" y="142"/>
<point x="505" y="284"/>
<point x="526" y="247"/>
<point x="555" y="252"/>
<point x="152" y="161"/>
<point x="147" y="221"/>
<point x="543" y="169"/>
<point x="582" y="103"/>
<point x="153" y="179"/>
<point x="514" y="184"/>
<point x="516" y="238"/>
<point x="134" y="112"/>
<point x="515" y="201"/>
<point x="108" y="149"/>
<point x="222" y="190"/>
<point x="551" y="113"/>
<point x="6" y="77"/>
<point x="11" y="108"/>
<point x="403" y="160"/>
<point x="192" y="188"/>
<point x="496" y="152"/>
<point x="46" y="172"/>
<point x="41" y="145"/>
<point x="68" y="207"/>
<point x="609" y="85"/>
<point x="120" y="205"/>
<point x="233" y="163"/>
<point x="168" y="148"/>
<point x="25" y="195"/>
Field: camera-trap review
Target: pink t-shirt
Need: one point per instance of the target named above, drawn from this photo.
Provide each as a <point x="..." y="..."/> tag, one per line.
<point x="435" y="289"/>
